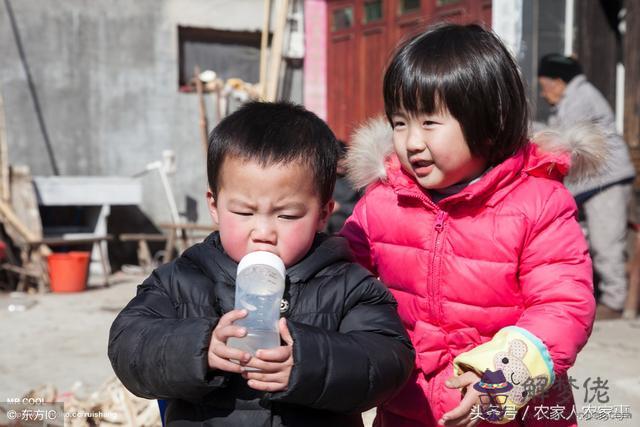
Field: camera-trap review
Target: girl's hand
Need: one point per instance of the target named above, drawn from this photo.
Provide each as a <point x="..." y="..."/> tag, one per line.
<point x="274" y="364"/>
<point x="219" y="354"/>
<point x="461" y="415"/>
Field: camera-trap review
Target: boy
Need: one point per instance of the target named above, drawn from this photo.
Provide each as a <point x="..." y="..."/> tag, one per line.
<point x="271" y="171"/>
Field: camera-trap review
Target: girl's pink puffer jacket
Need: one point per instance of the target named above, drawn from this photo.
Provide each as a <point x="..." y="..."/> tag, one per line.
<point x="507" y="250"/>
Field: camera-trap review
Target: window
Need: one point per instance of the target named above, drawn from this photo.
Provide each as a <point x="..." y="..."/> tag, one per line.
<point x="408" y="6"/>
<point x="342" y="19"/>
<point x="372" y="11"/>
<point x="228" y="53"/>
<point x="446" y="2"/>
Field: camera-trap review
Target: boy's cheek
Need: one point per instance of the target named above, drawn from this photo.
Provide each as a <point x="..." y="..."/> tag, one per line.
<point x="295" y="242"/>
<point x="232" y="238"/>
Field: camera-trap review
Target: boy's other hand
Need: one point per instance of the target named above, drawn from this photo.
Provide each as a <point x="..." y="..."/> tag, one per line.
<point x="274" y="364"/>
<point x="461" y="414"/>
<point x="219" y="354"/>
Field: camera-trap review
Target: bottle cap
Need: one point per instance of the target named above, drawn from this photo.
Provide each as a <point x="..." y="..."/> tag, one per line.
<point x="262" y="257"/>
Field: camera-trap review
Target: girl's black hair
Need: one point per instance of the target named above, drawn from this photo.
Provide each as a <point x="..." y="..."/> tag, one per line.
<point x="275" y="133"/>
<point x="466" y="70"/>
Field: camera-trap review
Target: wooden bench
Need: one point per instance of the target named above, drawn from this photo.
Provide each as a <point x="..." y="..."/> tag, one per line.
<point x="177" y="238"/>
<point x="144" y="254"/>
<point x="21" y="219"/>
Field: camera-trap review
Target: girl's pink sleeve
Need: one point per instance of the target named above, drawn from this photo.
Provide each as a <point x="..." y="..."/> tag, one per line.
<point x="356" y="231"/>
<point x="557" y="294"/>
<point x="556" y="279"/>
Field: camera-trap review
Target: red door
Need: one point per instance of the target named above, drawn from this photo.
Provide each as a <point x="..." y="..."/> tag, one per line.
<point x="342" y="67"/>
<point x="363" y="35"/>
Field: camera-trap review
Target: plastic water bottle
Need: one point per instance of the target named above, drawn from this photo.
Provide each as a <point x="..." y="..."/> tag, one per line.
<point x="259" y="289"/>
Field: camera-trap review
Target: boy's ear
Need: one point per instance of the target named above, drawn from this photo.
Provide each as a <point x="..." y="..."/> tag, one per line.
<point x="325" y="213"/>
<point x="213" y="208"/>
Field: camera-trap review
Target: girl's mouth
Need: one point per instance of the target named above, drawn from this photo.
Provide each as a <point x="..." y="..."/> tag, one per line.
<point x="422" y="167"/>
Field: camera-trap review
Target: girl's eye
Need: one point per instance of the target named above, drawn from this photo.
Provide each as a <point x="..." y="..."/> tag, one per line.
<point x="428" y="123"/>
<point x="243" y="213"/>
<point x="397" y="123"/>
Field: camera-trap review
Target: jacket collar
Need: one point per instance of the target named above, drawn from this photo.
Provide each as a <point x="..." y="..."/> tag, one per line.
<point x="573" y="85"/>
<point x="215" y="263"/>
<point x="492" y="186"/>
<point x="550" y="154"/>
<point x="489" y="189"/>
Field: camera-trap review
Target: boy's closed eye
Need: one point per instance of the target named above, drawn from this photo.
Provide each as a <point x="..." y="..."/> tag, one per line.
<point x="289" y="217"/>
<point x="242" y="213"/>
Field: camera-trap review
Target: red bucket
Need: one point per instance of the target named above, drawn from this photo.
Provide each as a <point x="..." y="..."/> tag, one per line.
<point x="68" y="271"/>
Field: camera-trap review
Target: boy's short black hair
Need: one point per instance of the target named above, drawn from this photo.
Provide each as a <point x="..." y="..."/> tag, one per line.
<point x="559" y="66"/>
<point x="275" y="133"/>
<point x="468" y="71"/>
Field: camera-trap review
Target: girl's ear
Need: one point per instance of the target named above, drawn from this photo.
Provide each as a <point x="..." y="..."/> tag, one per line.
<point x="325" y="213"/>
<point x="213" y="208"/>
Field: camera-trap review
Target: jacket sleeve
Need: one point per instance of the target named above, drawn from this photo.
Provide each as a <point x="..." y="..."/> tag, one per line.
<point x="359" y="366"/>
<point x="559" y="307"/>
<point x="355" y="230"/>
<point x="157" y="355"/>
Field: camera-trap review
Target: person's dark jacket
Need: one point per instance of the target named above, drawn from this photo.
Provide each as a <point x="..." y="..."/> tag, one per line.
<point x="346" y="199"/>
<point x="350" y="349"/>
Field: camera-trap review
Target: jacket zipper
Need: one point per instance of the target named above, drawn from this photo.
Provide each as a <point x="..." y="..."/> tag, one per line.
<point x="435" y="265"/>
<point x="440" y="221"/>
<point x="441" y="217"/>
<point x="435" y="280"/>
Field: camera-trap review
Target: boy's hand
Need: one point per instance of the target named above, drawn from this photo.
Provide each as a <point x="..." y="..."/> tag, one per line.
<point x="274" y="363"/>
<point x="219" y="354"/>
<point x="461" y="415"/>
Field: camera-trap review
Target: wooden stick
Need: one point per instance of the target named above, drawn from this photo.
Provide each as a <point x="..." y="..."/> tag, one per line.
<point x="14" y="221"/>
<point x="127" y="404"/>
<point x="276" y="51"/>
<point x="633" y="294"/>
<point x="204" y="127"/>
<point x="263" y="49"/>
<point x="216" y="102"/>
<point x="5" y="190"/>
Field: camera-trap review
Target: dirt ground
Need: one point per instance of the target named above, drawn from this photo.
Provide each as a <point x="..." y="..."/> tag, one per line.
<point x="62" y="340"/>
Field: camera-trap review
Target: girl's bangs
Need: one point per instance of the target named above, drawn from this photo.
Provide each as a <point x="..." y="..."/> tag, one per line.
<point x="414" y="90"/>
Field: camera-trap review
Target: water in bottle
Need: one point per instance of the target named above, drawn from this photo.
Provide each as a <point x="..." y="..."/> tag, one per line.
<point x="259" y="289"/>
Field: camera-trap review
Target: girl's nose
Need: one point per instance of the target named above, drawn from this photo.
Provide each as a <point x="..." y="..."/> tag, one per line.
<point x="415" y="141"/>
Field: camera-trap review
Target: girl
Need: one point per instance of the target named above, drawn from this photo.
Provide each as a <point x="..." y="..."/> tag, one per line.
<point x="471" y="228"/>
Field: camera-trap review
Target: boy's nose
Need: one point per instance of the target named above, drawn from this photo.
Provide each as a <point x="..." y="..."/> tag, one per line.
<point x="264" y="232"/>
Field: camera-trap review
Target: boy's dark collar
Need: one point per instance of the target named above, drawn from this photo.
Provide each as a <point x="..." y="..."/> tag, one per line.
<point x="324" y="251"/>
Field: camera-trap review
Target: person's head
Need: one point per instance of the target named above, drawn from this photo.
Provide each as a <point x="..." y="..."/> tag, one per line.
<point x="456" y="101"/>
<point x="271" y="169"/>
<point x="555" y="71"/>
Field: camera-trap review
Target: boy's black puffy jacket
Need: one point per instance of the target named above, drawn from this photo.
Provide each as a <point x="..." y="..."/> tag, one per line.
<point x="350" y="349"/>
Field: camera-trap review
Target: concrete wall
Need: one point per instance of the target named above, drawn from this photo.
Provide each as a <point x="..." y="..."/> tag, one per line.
<point x="106" y="76"/>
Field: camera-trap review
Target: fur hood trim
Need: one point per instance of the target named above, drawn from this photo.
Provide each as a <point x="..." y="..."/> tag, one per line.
<point x="372" y="144"/>
<point x="585" y="143"/>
